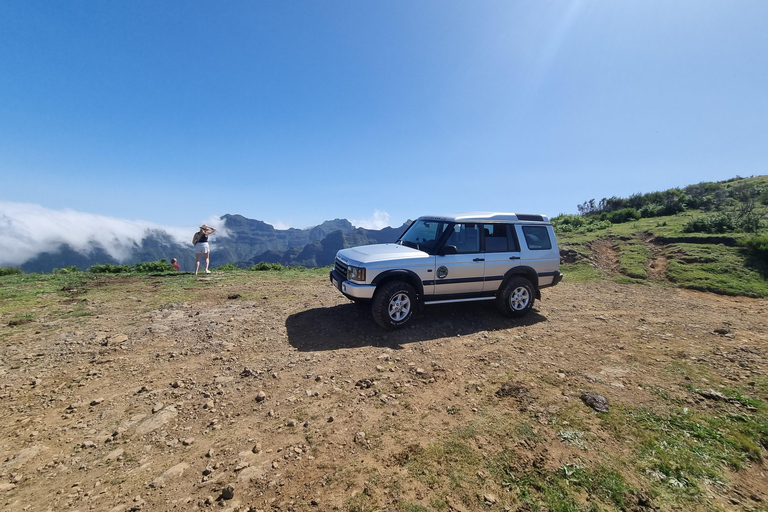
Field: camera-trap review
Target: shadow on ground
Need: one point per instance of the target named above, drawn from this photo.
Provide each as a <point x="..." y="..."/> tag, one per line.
<point x="351" y="325"/>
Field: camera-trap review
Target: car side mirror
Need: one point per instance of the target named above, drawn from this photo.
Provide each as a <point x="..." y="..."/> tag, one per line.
<point x="449" y="249"/>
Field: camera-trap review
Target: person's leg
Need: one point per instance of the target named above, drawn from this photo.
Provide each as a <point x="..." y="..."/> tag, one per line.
<point x="197" y="262"/>
<point x="207" y="262"/>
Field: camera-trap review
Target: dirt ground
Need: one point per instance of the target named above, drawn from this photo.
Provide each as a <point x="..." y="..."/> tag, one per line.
<point x="272" y="395"/>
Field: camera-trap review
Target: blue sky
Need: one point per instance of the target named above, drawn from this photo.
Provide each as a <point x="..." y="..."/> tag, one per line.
<point x="295" y="112"/>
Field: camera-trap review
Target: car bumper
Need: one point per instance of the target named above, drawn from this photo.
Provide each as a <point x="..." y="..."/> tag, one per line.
<point x="350" y="289"/>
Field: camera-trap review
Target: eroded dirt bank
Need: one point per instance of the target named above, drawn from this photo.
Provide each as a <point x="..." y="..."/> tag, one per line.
<point x="288" y="397"/>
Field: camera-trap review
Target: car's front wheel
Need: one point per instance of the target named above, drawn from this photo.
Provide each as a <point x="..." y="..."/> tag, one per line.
<point x="393" y="304"/>
<point x="516" y="298"/>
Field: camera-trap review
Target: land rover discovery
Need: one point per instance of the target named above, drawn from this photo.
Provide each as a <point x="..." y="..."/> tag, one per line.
<point x="506" y="257"/>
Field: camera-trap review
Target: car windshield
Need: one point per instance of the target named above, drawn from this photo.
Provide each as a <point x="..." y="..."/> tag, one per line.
<point x="423" y="235"/>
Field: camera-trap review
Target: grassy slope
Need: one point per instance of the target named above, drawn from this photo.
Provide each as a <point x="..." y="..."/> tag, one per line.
<point x="713" y="263"/>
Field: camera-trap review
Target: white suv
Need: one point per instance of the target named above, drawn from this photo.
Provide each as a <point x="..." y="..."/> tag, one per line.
<point x="506" y="257"/>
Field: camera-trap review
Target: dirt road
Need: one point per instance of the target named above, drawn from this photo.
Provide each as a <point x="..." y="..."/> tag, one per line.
<point x="271" y="395"/>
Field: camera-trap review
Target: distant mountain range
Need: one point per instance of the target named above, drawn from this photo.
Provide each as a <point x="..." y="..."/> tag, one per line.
<point x="249" y="241"/>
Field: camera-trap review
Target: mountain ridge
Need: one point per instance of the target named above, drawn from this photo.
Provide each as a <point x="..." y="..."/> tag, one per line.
<point x="247" y="242"/>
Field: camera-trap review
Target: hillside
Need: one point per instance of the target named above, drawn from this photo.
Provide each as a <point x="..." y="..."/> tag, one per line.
<point x="259" y="391"/>
<point x="709" y="237"/>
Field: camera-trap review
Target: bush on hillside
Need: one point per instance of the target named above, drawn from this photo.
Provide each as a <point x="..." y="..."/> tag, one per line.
<point x="565" y="223"/>
<point x="110" y="269"/>
<point x="623" y="215"/>
<point x="264" y="266"/>
<point x="757" y="245"/>
<point x="718" y="223"/>
<point x="229" y="267"/>
<point x="153" y="266"/>
<point x="9" y="271"/>
<point x="66" y="270"/>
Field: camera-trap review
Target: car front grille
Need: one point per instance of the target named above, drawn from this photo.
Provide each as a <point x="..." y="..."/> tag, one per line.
<point x="341" y="268"/>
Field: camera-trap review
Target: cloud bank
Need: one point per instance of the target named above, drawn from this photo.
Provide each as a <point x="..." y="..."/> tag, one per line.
<point x="380" y="220"/>
<point x="31" y="229"/>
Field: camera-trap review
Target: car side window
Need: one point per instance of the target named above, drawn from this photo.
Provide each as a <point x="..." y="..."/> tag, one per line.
<point x="466" y="238"/>
<point x="499" y="238"/>
<point x="537" y="238"/>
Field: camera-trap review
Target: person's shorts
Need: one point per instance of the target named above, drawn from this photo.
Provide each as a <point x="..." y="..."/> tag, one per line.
<point x="203" y="248"/>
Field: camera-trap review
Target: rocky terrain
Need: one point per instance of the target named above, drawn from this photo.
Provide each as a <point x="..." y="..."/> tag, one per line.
<point x="267" y="394"/>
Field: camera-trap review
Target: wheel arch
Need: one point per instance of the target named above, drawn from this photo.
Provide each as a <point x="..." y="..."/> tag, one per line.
<point x="523" y="271"/>
<point x="407" y="276"/>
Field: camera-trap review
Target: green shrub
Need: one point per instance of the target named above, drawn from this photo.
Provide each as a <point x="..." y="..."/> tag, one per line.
<point x="623" y="215"/>
<point x="110" y="269"/>
<point x="229" y="267"/>
<point x="717" y="223"/>
<point x="263" y="265"/>
<point x="565" y="223"/>
<point x="9" y="271"/>
<point x="153" y="266"/>
<point x="757" y="246"/>
<point x="66" y="270"/>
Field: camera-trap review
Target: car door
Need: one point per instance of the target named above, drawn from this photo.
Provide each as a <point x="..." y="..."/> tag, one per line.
<point x="502" y="252"/>
<point x="461" y="273"/>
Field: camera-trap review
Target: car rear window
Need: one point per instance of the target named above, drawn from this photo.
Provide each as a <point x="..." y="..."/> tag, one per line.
<point x="537" y="238"/>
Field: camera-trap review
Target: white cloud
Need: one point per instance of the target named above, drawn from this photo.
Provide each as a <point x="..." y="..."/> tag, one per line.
<point x="280" y="225"/>
<point x="31" y="229"/>
<point x="379" y="220"/>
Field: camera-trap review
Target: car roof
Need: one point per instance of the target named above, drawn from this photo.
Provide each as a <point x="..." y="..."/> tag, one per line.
<point x="488" y="217"/>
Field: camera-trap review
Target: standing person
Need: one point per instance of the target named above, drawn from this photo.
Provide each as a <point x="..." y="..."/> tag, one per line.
<point x="203" y="247"/>
<point x="175" y="264"/>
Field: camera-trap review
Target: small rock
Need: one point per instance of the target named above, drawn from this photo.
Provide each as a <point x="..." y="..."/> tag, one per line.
<point x="595" y="401"/>
<point x="157" y="407"/>
<point x="360" y="437"/>
<point x="261" y="396"/>
<point x="96" y="402"/>
<point x="256" y="448"/>
<point x="114" y="454"/>
<point x="228" y="492"/>
<point x="172" y="473"/>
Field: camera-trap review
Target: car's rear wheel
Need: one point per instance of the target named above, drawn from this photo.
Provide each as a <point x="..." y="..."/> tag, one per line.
<point x="393" y="304"/>
<point x="516" y="297"/>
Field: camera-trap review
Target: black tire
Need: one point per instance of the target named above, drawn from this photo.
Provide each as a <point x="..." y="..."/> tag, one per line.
<point x="516" y="297"/>
<point x="393" y="304"/>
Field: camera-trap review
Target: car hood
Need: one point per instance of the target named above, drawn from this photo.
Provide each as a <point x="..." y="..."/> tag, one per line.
<point x="365" y="254"/>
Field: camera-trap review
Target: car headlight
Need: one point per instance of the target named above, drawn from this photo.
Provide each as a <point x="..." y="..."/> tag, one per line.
<point x="355" y="273"/>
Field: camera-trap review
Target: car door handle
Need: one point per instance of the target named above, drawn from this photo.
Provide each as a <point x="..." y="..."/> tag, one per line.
<point x="514" y="257"/>
<point x="479" y="259"/>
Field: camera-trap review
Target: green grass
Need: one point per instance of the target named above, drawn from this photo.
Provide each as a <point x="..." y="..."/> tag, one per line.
<point x="681" y="451"/>
<point x="580" y="272"/>
<point x="564" y="489"/>
<point x="715" y="268"/>
<point x="633" y="259"/>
